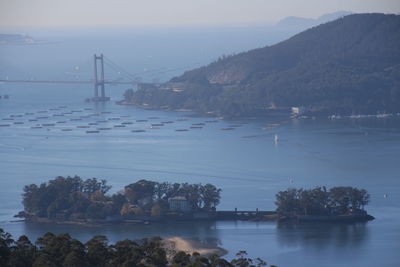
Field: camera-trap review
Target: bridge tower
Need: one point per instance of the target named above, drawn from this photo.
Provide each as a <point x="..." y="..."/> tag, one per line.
<point x="99" y="83"/>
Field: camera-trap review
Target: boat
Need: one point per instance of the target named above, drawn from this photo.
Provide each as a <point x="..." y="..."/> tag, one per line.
<point x="276" y="138"/>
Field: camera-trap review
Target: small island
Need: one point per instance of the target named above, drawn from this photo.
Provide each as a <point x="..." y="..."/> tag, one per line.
<point x="74" y="200"/>
<point x="78" y="201"/>
<point x="339" y="204"/>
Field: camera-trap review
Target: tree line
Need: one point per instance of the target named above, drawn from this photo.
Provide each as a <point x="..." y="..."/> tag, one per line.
<point x="339" y="200"/>
<point x="52" y="250"/>
<point x="73" y="198"/>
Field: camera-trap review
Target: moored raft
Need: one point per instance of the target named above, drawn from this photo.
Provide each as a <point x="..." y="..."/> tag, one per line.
<point x="138" y="131"/>
<point x="92" y="131"/>
<point x="181" y="130"/>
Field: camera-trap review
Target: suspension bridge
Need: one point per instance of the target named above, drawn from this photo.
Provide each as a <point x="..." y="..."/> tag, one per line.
<point x="98" y="82"/>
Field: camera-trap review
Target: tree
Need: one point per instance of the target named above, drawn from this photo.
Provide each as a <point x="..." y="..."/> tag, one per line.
<point x="210" y="195"/>
<point x="98" y="253"/>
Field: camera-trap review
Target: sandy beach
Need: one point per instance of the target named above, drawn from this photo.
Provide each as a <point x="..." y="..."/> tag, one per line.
<point x="173" y="244"/>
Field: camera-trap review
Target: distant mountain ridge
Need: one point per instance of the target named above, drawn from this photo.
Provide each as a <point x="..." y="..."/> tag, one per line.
<point x="294" y="21"/>
<point x="347" y="66"/>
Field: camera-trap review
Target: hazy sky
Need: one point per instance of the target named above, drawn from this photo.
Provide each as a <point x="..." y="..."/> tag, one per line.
<point x="155" y="12"/>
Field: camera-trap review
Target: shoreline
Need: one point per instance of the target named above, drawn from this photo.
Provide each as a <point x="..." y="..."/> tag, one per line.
<point x="189" y="246"/>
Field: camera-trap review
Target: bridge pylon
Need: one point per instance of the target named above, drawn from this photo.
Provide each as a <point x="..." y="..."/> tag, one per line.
<point x="99" y="83"/>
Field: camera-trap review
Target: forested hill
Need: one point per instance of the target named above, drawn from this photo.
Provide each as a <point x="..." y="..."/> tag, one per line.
<point x="348" y="66"/>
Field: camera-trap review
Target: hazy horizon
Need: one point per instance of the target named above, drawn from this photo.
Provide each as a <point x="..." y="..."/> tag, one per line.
<point x="75" y="13"/>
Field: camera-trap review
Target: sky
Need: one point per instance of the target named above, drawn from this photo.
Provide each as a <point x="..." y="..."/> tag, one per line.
<point x="55" y="13"/>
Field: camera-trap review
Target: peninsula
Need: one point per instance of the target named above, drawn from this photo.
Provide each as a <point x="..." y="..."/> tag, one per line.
<point x="350" y="66"/>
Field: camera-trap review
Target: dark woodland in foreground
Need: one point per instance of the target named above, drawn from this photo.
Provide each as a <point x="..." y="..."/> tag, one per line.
<point x="61" y="250"/>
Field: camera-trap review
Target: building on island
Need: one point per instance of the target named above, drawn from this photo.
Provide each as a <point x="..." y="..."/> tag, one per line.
<point x="179" y="203"/>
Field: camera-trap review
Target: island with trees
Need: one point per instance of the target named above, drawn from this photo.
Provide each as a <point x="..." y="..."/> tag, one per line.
<point x="86" y="201"/>
<point x="75" y="200"/>
<point x="63" y="250"/>
<point x="339" y="204"/>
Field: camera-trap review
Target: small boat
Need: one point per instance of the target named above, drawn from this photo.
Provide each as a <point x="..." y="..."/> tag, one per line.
<point x="94" y="131"/>
<point x="276" y="138"/>
<point x="138" y="131"/>
<point x="181" y="130"/>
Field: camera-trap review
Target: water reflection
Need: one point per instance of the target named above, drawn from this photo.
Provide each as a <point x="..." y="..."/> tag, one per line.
<point x="204" y="232"/>
<point x="323" y="236"/>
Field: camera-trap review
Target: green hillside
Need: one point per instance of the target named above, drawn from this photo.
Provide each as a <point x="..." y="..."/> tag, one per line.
<point x="348" y="66"/>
